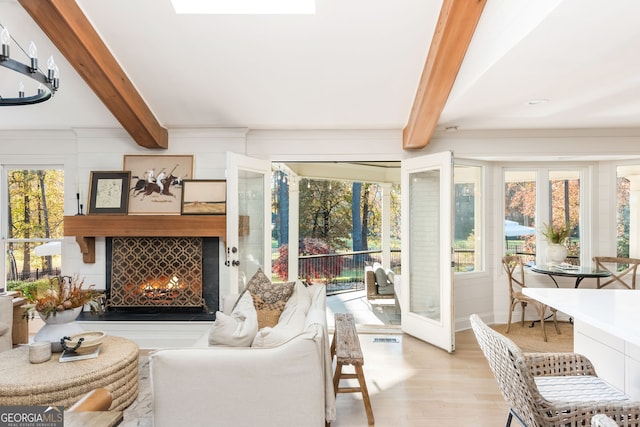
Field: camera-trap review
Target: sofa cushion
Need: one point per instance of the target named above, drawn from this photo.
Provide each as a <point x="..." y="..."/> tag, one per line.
<point x="276" y="336"/>
<point x="381" y="277"/>
<point x="4" y="328"/>
<point x="269" y="299"/>
<point x="391" y="276"/>
<point x="238" y="329"/>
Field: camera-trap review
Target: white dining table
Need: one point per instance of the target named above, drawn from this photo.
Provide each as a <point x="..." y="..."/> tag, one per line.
<point x="606" y="330"/>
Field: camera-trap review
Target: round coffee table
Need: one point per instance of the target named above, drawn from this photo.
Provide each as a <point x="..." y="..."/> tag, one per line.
<point x="58" y="383"/>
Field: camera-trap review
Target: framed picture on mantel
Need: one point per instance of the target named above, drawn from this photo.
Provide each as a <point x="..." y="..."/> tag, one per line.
<point x="156" y="182"/>
<point x="204" y="197"/>
<point x="108" y="193"/>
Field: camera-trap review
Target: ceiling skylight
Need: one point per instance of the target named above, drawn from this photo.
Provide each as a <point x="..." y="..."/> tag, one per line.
<point x="245" y="7"/>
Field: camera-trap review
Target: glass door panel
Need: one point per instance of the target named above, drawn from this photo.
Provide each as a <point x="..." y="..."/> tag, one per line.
<point x="427" y="276"/>
<point x="248" y="200"/>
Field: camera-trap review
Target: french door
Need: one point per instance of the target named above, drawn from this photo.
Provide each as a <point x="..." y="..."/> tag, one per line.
<point x="427" y="273"/>
<point x="248" y="245"/>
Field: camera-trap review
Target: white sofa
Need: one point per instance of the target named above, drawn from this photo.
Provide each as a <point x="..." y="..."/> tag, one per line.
<point x="6" y="323"/>
<point x="286" y="385"/>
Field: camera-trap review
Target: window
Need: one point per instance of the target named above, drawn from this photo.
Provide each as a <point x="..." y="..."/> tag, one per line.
<point x="32" y="222"/>
<point x="626" y="211"/>
<point x="534" y="197"/>
<point x="520" y="213"/>
<point x="467" y="225"/>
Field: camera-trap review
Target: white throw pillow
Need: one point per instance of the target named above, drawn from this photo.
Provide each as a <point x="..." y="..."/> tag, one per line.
<point x="391" y="276"/>
<point x="291" y="322"/>
<point x="237" y="330"/>
<point x="300" y="301"/>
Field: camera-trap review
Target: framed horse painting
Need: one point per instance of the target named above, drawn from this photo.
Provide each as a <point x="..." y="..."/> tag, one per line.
<point x="156" y="182"/>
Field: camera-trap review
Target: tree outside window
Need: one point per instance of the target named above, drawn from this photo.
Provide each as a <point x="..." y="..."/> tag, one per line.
<point x="35" y="213"/>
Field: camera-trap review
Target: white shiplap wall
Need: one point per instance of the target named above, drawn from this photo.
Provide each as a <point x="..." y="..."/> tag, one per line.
<point x="80" y="151"/>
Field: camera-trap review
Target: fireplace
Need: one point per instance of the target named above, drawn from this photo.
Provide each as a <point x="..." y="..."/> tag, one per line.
<point x="162" y="277"/>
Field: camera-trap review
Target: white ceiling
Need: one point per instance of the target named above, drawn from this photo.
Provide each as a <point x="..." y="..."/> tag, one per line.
<point x="355" y="64"/>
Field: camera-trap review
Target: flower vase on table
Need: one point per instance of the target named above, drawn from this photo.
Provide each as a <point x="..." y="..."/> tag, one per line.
<point x="556" y="253"/>
<point x="60" y="305"/>
<point x="56" y="327"/>
<point x="556" y="235"/>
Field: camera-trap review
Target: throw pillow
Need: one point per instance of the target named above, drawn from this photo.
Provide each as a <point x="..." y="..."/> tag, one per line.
<point x="299" y="302"/>
<point x="238" y="329"/>
<point x="391" y="276"/>
<point x="269" y="298"/>
<point x="381" y="277"/>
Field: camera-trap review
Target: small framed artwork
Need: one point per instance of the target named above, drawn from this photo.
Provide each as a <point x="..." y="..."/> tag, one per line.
<point x="108" y="193"/>
<point x="156" y="186"/>
<point x="204" y="197"/>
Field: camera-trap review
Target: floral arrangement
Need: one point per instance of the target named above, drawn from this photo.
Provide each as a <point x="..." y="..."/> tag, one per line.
<point x="66" y="293"/>
<point x="555" y="234"/>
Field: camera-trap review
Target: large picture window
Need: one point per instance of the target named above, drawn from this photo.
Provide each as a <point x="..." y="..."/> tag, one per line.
<point x="537" y="197"/>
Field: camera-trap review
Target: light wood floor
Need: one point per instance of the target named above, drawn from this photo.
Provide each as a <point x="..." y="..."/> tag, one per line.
<point x="412" y="383"/>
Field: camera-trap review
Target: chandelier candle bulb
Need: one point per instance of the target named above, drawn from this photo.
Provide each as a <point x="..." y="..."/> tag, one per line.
<point x="33" y="54"/>
<point x="4" y="37"/>
<point x="50" y="65"/>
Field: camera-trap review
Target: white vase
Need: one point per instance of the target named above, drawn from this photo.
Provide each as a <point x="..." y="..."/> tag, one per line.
<point x="556" y="253"/>
<point x="56" y="327"/>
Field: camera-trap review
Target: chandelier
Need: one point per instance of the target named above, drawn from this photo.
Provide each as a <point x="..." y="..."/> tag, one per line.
<point x="48" y="83"/>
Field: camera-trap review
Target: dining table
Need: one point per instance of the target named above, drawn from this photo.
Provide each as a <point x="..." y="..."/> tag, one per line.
<point x="578" y="272"/>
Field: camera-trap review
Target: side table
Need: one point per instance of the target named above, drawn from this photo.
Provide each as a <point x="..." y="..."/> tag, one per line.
<point x="20" y="332"/>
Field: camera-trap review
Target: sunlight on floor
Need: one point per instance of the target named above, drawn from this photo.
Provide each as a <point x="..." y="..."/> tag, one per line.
<point x="381" y="313"/>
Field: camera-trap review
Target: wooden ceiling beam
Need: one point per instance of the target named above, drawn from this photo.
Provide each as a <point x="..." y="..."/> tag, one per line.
<point x="454" y="30"/>
<point x="69" y="29"/>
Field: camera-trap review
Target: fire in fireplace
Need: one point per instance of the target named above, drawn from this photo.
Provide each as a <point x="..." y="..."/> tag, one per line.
<point x="150" y="274"/>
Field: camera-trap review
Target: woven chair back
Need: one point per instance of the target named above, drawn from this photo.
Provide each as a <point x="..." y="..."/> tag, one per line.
<point x="514" y="379"/>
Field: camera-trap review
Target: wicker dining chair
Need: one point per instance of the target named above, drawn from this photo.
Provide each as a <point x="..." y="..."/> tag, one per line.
<point x="551" y="389"/>
<point x="623" y="271"/>
<point x="514" y="268"/>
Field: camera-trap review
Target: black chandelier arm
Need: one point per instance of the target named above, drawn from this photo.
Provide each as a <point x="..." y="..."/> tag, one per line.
<point x="49" y="85"/>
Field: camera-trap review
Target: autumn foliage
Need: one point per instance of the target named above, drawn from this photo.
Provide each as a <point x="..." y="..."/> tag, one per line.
<point x="310" y="268"/>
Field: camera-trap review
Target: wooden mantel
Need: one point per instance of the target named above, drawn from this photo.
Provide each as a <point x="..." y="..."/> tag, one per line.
<point x="87" y="228"/>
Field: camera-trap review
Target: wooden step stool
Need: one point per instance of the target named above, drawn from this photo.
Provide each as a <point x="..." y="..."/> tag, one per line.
<point x="346" y="347"/>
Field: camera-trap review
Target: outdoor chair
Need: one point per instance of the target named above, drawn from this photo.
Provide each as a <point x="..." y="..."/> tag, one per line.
<point x="551" y="389"/>
<point x="623" y="271"/>
<point x="514" y="268"/>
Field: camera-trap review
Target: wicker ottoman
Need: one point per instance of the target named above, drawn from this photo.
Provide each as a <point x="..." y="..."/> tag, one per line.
<point x="62" y="384"/>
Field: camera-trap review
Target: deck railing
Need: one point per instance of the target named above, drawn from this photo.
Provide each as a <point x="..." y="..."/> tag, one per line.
<point x="344" y="271"/>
